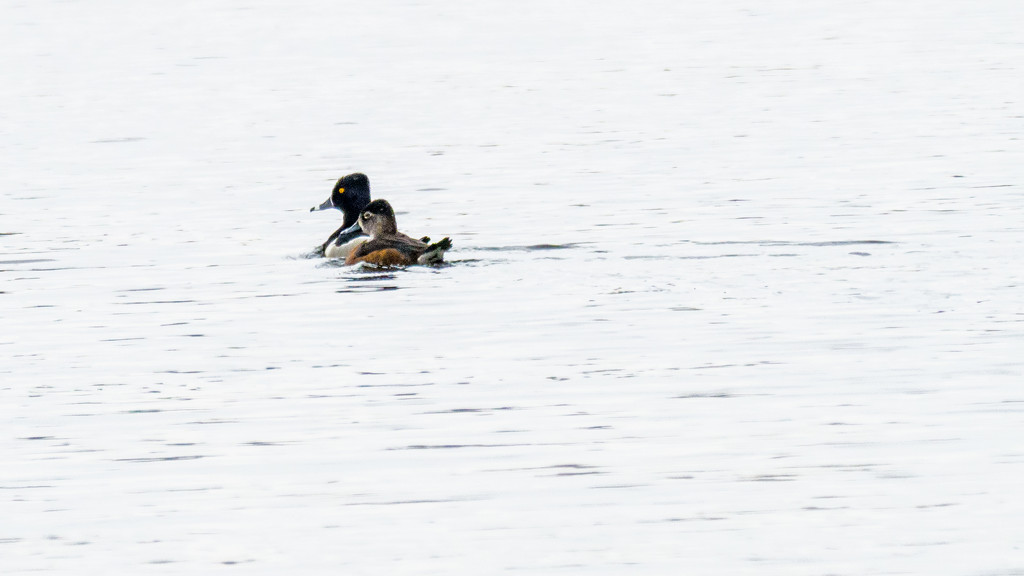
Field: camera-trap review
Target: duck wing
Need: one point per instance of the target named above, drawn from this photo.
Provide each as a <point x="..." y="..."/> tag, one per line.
<point x="388" y="250"/>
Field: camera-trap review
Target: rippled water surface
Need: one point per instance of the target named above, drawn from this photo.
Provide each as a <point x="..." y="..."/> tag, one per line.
<point x="736" y="288"/>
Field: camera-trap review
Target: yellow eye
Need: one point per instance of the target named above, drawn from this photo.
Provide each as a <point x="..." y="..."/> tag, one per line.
<point x="367" y="215"/>
<point x="341" y="190"/>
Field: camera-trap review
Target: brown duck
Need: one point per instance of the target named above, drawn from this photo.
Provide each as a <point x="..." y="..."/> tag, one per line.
<point x="389" y="247"/>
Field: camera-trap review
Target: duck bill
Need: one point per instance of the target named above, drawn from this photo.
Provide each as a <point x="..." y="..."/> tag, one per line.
<point x="326" y="205"/>
<point x="350" y="233"/>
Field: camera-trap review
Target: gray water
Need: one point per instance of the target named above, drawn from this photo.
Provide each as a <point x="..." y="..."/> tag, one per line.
<point x="736" y="288"/>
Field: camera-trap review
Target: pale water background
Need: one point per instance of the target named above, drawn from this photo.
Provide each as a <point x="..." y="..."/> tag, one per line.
<point x="736" y="288"/>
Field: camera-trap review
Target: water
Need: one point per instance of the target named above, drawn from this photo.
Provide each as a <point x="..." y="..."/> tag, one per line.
<point x="735" y="289"/>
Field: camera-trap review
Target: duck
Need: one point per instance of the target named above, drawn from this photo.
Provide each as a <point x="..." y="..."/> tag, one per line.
<point x="386" y="246"/>
<point x="350" y="195"/>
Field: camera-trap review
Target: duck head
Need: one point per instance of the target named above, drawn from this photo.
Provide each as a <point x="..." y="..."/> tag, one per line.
<point x="378" y="218"/>
<point x="350" y="195"/>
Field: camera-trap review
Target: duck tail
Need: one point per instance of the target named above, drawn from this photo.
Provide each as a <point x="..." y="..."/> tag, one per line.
<point x="434" y="254"/>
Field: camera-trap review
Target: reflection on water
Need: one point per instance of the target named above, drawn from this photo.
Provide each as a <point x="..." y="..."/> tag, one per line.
<point x="374" y="288"/>
<point x="535" y="247"/>
<point x="784" y="243"/>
